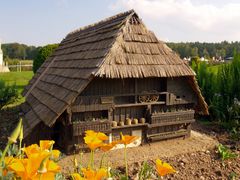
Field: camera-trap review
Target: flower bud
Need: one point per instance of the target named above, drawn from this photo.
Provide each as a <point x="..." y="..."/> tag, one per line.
<point x="15" y="133"/>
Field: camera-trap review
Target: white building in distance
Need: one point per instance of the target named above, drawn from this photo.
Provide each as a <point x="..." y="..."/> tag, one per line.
<point x="3" y="68"/>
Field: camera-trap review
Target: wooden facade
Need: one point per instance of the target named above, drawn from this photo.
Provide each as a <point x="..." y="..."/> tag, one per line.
<point x="112" y="76"/>
<point x="158" y="108"/>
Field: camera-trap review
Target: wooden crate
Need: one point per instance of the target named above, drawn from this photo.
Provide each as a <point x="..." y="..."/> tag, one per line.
<point x="79" y="128"/>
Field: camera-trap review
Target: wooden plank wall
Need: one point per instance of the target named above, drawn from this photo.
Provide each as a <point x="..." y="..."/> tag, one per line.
<point x="180" y="89"/>
<point x="100" y="86"/>
<point x="90" y="98"/>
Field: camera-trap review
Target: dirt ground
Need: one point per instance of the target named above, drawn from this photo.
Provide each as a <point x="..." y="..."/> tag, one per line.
<point x="193" y="158"/>
<point x="8" y="120"/>
<point x="154" y="150"/>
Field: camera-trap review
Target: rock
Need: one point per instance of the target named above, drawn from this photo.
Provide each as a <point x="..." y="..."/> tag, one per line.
<point x="184" y="160"/>
<point x="207" y="152"/>
<point x="182" y="164"/>
<point x="202" y="178"/>
<point x="218" y="173"/>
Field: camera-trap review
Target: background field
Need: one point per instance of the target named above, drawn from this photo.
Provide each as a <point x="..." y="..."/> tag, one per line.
<point x="20" y="79"/>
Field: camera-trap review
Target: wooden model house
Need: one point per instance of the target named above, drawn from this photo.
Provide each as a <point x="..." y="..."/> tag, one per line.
<point x="112" y="76"/>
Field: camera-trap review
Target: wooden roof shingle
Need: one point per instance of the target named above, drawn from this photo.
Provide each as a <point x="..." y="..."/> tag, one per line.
<point x="117" y="47"/>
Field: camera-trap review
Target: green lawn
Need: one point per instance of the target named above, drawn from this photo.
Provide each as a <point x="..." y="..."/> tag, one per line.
<point x="20" y="79"/>
<point x="215" y="68"/>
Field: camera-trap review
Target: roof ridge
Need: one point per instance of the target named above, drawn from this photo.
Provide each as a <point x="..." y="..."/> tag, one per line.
<point x="102" y="21"/>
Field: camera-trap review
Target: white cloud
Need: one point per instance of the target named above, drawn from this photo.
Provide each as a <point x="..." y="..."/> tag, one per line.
<point x="208" y="21"/>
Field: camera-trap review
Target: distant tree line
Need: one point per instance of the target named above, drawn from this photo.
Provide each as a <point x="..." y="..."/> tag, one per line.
<point x="19" y="51"/>
<point x="184" y="49"/>
<point x="208" y="50"/>
<point x="13" y="52"/>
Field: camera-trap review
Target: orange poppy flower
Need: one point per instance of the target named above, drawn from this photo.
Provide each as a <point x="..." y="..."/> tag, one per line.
<point x="48" y="171"/>
<point x="99" y="135"/>
<point x="163" y="168"/>
<point x="7" y="161"/>
<point x="108" y="147"/>
<point x="90" y="174"/>
<point x="32" y="149"/>
<point x="55" y="154"/>
<point x="94" y="139"/>
<point x="46" y="144"/>
<point x="127" y="139"/>
<point x="27" y="168"/>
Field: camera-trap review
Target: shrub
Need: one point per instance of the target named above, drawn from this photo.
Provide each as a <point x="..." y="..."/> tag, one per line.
<point x="8" y="94"/>
<point x="42" y="55"/>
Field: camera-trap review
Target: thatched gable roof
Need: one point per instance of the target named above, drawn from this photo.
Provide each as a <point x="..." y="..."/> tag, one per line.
<point x="117" y="47"/>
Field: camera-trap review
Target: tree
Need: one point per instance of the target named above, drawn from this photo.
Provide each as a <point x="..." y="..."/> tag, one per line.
<point x="42" y="55"/>
<point x="223" y="49"/>
<point x="18" y="51"/>
<point x="205" y="53"/>
<point x="194" y="52"/>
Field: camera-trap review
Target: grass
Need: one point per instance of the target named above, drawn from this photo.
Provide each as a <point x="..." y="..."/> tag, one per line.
<point x="214" y="68"/>
<point x="20" y="79"/>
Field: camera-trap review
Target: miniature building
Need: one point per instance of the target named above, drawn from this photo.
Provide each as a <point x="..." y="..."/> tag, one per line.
<point x="113" y="76"/>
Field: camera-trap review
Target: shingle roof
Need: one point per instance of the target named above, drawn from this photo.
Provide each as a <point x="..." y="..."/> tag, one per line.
<point x="117" y="47"/>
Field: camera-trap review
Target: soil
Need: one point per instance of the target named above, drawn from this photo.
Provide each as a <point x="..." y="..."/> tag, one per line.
<point x="8" y="120"/>
<point x="193" y="158"/>
<point x="154" y="150"/>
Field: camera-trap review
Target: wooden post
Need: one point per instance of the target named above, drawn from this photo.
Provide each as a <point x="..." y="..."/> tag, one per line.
<point x="188" y="131"/>
<point x="136" y="90"/>
<point x="69" y="117"/>
<point x="110" y="114"/>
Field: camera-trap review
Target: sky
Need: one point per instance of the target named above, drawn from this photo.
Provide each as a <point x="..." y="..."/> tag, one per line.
<point x="41" y="22"/>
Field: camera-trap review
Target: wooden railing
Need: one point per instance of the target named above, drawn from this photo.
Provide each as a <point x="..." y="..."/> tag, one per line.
<point x="172" y="117"/>
<point x="79" y="128"/>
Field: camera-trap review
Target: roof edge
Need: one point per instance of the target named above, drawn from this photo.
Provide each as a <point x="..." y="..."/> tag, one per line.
<point x="102" y="21"/>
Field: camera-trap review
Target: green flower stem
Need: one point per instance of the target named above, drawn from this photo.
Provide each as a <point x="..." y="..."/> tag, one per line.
<point x="101" y="162"/>
<point x="20" y="149"/>
<point x="125" y="158"/>
<point x="92" y="159"/>
<point x="5" y="151"/>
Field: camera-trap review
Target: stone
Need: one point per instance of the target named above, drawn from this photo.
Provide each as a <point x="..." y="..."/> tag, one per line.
<point x="207" y="152"/>
<point x="218" y="173"/>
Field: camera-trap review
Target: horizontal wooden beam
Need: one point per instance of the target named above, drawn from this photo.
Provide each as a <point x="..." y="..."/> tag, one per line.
<point x="170" y="123"/>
